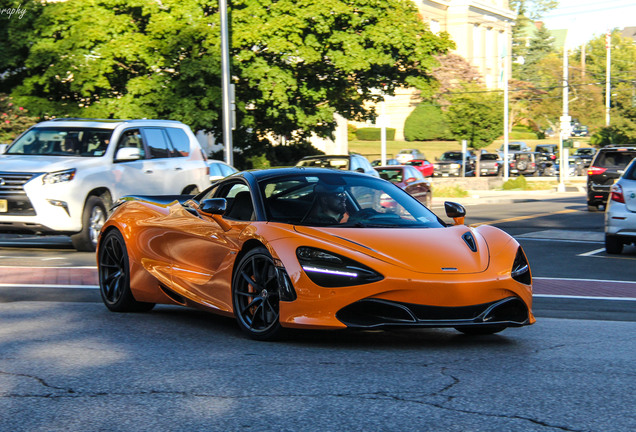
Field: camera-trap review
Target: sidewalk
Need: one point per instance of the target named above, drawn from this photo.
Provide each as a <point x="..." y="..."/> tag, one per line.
<point x="511" y="196"/>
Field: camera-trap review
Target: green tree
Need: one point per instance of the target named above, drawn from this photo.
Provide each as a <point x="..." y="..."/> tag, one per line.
<point x="426" y="123"/>
<point x="475" y="115"/>
<point x="294" y="63"/>
<point x="533" y="9"/>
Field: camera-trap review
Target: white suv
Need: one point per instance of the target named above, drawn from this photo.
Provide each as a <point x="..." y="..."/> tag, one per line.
<point x="62" y="176"/>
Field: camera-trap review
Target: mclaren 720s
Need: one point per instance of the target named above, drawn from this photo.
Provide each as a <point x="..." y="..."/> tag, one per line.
<point x="312" y="248"/>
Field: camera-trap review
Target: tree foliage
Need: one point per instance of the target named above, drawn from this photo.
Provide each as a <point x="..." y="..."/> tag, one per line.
<point x="294" y="62"/>
<point x="533" y="9"/>
<point x="475" y="115"/>
<point x="426" y="123"/>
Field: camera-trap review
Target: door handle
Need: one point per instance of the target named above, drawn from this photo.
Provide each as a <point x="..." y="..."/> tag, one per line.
<point x="178" y="169"/>
<point x="148" y="171"/>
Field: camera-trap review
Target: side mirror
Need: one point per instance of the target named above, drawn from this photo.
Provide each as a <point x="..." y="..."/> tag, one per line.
<point x="455" y="211"/>
<point x="214" y="206"/>
<point x="127" y="154"/>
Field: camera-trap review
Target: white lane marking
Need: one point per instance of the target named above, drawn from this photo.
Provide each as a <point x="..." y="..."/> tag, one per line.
<point x="583" y="280"/>
<point x="583" y="297"/>
<point x="14" y="285"/>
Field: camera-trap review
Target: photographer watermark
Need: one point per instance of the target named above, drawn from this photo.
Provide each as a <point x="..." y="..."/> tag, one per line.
<point x="19" y="12"/>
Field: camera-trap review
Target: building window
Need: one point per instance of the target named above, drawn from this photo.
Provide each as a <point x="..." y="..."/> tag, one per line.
<point x="435" y="26"/>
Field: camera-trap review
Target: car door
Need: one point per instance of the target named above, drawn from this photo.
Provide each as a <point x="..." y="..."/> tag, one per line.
<point x="161" y="162"/>
<point x="135" y="177"/>
<point x="203" y="250"/>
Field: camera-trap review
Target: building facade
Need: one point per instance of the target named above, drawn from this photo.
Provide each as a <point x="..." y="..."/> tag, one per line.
<point x="482" y="34"/>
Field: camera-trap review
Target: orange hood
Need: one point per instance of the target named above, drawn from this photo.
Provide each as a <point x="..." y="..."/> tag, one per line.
<point x="423" y="250"/>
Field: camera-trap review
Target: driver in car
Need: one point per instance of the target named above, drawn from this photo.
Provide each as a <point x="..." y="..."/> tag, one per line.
<point x="329" y="206"/>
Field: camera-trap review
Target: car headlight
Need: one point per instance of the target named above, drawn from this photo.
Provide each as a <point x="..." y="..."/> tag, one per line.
<point x="59" y="176"/>
<point x="331" y="270"/>
<point x="520" y="268"/>
<point x="454" y="166"/>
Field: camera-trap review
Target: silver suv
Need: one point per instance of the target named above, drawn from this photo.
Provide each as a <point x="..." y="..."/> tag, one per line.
<point x="61" y="176"/>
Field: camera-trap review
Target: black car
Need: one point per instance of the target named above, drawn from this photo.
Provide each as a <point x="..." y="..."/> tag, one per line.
<point x="608" y="165"/>
<point x="584" y="155"/>
<point x="450" y="164"/>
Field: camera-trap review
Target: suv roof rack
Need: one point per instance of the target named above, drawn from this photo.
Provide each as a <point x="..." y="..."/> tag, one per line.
<point x="108" y="120"/>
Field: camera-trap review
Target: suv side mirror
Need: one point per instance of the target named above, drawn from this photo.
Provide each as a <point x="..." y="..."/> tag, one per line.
<point x="127" y="154"/>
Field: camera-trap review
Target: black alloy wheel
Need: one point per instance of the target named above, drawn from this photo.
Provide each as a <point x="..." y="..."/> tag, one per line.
<point x="256" y="295"/>
<point x="114" y="275"/>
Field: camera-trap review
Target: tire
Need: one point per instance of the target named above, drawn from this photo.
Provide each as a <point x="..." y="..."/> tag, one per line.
<point x="592" y="207"/>
<point x="481" y="329"/>
<point x="114" y="275"/>
<point x="613" y="245"/>
<point x="93" y="218"/>
<point x="256" y="296"/>
<point x="522" y="165"/>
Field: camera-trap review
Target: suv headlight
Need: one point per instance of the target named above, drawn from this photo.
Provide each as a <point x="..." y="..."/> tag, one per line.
<point x="331" y="270"/>
<point x="59" y="176"/>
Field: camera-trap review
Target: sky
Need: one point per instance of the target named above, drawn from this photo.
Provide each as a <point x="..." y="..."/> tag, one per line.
<point x="586" y="19"/>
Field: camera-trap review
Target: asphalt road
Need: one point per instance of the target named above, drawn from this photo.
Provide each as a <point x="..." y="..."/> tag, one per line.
<point x="77" y="367"/>
<point x="68" y="364"/>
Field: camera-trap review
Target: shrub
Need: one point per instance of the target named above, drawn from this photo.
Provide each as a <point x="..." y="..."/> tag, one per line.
<point x="515" y="183"/>
<point x="426" y="123"/>
<point x="351" y="132"/>
<point x="374" y="134"/>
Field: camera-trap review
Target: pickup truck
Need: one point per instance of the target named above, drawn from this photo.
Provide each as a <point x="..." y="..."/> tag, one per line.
<point x="490" y="164"/>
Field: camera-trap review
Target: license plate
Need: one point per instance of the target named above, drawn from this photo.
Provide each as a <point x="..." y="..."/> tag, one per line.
<point x="4" y="206"/>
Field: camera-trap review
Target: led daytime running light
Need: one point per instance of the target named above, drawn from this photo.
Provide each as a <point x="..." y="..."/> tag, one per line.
<point x="330" y="271"/>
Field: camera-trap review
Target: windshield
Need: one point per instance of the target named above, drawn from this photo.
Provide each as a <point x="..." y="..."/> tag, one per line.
<point x="343" y="201"/>
<point x="451" y="156"/>
<point x="62" y="141"/>
<point x="339" y="163"/>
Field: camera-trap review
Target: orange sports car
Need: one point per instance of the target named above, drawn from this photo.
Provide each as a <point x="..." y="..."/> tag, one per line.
<point x="312" y="248"/>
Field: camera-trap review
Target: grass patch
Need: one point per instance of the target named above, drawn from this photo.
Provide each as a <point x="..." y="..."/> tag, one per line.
<point x="449" y="191"/>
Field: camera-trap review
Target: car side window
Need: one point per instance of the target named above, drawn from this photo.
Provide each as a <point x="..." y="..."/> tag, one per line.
<point x="239" y="201"/>
<point x="157" y="142"/>
<point x="180" y="142"/>
<point x="132" y="138"/>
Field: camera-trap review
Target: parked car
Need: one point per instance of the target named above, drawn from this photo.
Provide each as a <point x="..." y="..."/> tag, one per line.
<point x="580" y="131"/>
<point x="584" y="155"/>
<point x="607" y="166"/>
<point x="422" y="165"/>
<point x="378" y="162"/>
<point x="220" y="169"/>
<point x="248" y="247"/>
<point x="516" y="146"/>
<point x="410" y="179"/>
<point x="406" y="155"/>
<point x="351" y="162"/>
<point x="451" y="162"/>
<point x="523" y="163"/>
<point x="620" y="215"/>
<point x="490" y="164"/>
<point x="62" y="176"/>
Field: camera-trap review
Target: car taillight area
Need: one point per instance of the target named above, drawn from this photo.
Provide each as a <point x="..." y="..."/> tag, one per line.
<point x="617" y="194"/>
<point x="593" y="170"/>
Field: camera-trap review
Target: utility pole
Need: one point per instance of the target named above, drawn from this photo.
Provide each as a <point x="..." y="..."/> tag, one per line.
<point x="225" y="84"/>
<point x="608" y="49"/>
<point x="566" y="125"/>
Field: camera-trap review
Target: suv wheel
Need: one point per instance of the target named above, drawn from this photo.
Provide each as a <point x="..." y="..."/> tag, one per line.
<point x="613" y="245"/>
<point x="93" y="219"/>
<point x="591" y="207"/>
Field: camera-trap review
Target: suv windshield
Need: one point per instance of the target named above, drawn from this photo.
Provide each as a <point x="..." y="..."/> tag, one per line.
<point x="334" y="162"/>
<point x="61" y="141"/>
<point x="451" y="156"/>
